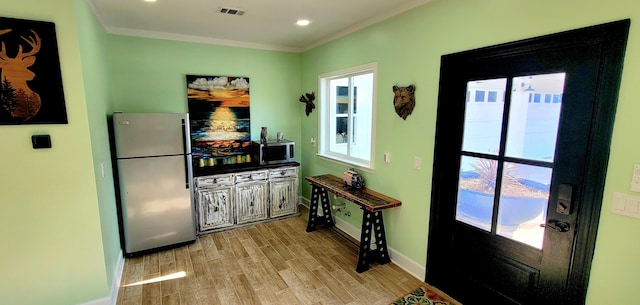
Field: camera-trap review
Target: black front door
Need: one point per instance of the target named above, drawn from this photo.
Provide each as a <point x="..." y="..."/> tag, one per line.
<point x="522" y="143"/>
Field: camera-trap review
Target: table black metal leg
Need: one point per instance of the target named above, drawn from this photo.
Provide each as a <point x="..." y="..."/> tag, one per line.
<point x="372" y="223"/>
<point x="381" y="239"/>
<point x="319" y="194"/>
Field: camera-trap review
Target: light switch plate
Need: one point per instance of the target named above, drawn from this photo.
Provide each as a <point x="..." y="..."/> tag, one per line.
<point x="417" y="163"/>
<point x="627" y="205"/>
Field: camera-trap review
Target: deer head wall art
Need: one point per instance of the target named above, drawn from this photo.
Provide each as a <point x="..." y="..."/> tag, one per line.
<point x="30" y="79"/>
<point x="16" y="73"/>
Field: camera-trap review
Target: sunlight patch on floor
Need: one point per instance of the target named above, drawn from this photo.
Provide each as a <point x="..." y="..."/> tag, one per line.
<point x="167" y="277"/>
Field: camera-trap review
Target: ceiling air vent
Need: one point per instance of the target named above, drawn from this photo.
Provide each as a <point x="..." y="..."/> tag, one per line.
<point x="230" y="11"/>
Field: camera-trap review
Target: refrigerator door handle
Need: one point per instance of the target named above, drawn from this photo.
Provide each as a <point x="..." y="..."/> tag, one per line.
<point x="186" y="172"/>
<point x="186" y="158"/>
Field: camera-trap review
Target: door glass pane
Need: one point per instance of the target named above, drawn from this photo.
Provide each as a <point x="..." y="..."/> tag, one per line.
<point x="483" y="119"/>
<point x="533" y="117"/>
<point x="524" y="195"/>
<point x="476" y="192"/>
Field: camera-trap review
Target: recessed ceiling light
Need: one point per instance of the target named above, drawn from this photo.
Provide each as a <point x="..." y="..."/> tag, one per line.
<point x="303" y="22"/>
<point x="149" y="0"/>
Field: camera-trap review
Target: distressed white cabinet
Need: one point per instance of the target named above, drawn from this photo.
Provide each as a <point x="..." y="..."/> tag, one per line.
<point x="234" y="199"/>
<point x="214" y="197"/>
<point x="283" y="191"/>
<point x="251" y="196"/>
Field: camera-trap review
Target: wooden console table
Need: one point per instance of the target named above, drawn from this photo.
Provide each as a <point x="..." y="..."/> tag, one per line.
<point x="372" y="203"/>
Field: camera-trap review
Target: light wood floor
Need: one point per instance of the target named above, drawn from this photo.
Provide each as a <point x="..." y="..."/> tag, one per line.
<point x="270" y="263"/>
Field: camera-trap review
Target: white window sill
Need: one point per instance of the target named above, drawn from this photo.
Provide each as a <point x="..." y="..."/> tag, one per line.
<point x="346" y="162"/>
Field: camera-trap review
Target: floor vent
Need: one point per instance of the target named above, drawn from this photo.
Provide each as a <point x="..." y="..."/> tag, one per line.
<point x="230" y="11"/>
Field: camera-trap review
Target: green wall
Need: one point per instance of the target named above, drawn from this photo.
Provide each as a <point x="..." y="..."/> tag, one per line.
<point x="93" y="53"/>
<point x="51" y="242"/>
<point x="148" y="75"/>
<point x="408" y="50"/>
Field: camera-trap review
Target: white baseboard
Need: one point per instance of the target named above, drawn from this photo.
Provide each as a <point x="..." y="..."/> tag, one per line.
<point x="117" y="277"/>
<point x="402" y="261"/>
<point x="115" y="285"/>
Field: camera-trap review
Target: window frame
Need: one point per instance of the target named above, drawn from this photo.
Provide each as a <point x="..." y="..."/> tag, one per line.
<point x="326" y="116"/>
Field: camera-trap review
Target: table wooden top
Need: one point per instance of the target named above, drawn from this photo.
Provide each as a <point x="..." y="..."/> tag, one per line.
<point x="368" y="199"/>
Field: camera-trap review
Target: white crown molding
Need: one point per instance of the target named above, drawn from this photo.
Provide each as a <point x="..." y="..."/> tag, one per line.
<point x="367" y="23"/>
<point x="96" y="13"/>
<point x="249" y="45"/>
<point x="199" y="39"/>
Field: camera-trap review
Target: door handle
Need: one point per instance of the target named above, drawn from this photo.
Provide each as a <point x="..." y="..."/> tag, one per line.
<point x="186" y="159"/>
<point x="559" y="226"/>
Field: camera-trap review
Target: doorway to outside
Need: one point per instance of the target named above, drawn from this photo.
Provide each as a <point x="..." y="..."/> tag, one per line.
<point x="522" y="139"/>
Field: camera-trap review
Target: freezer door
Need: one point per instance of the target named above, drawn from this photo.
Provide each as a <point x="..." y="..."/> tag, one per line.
<point x="151" y="134"/>
<point x="157" y="204"/>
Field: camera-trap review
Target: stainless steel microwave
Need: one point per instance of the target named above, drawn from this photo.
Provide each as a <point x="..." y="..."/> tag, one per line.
<point x="276" y="152"/>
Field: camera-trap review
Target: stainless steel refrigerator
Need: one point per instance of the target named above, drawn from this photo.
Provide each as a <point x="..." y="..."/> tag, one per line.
<point x="153" y="157"/>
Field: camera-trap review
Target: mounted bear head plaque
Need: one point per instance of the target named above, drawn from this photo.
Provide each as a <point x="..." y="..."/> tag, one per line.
<point x="404" y="100"/>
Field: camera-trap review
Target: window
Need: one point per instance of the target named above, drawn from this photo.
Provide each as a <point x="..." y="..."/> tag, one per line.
<point x="479" y="96"/>
<point x="347" y="101"/>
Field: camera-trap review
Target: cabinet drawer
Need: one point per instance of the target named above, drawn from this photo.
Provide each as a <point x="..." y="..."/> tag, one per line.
<point x="217" y="180"/>
<point x="251" y="176"/>
<point x="284" y="172"/>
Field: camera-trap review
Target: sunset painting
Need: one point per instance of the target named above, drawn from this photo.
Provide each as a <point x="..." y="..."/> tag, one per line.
<point x="219" y="114"/>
